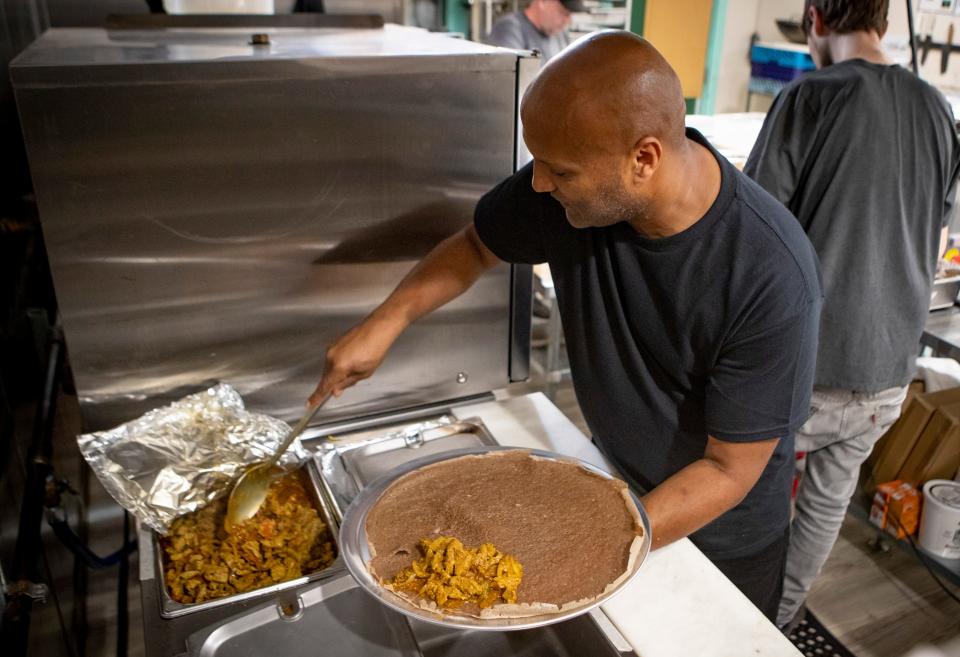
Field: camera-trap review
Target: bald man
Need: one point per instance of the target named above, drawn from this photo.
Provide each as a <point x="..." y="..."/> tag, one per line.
<point x="689" y="299"/>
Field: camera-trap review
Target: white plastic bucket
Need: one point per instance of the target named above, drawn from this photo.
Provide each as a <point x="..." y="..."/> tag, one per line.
<point x="940" y="520"/>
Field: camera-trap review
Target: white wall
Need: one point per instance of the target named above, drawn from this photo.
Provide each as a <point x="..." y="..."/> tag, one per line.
<point x="938" y="26"/>
<point x="769" y="11"/>
<point x="897" y="18"/>
<point x="734" y="70"/>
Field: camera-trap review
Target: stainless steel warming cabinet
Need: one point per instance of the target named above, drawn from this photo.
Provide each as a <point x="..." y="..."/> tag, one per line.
<point x="215" y="210"/>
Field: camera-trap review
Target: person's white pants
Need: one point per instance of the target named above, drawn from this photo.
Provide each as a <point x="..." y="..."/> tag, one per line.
<point x="843" y="427"/>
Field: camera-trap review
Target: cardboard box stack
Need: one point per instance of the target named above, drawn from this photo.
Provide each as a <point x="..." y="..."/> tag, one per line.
<point x="924" y="443"/>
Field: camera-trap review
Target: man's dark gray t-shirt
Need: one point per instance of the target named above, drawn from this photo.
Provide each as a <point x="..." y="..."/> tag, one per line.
<point x="711" y="331"/>
<point x="865" y="156"/>
<point x="516" y="31"/>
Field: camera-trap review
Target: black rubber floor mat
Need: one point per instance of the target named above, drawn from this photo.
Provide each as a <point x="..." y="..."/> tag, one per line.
<point x="813" y="640"/>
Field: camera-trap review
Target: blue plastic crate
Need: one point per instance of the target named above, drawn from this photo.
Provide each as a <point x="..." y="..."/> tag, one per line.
<point x="795" y="59"/>
<point x="775" y="72"/>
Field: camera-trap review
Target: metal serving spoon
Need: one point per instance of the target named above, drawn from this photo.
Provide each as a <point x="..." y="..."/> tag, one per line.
<point x="251" y="488"/>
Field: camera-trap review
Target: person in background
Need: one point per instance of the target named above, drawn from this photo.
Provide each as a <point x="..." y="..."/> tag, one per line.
<point x="689" y="299"/>
<point x="541" y="26"/>
<point x="865" y="155"/>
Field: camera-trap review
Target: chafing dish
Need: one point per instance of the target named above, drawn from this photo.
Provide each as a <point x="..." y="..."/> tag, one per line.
<point x="338" y="471"/>
<point x="343" y="464"/>
<point x="170" y="608"/>
<point x="348" y="465"/>
<point x="336" y="615"/>
<point x="944" y="292"/>
<point x="340" y="615"/>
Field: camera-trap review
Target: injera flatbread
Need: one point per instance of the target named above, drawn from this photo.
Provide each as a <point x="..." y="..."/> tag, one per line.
<point x="576" y="534"/>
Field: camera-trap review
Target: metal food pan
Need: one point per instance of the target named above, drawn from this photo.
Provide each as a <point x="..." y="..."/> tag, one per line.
<point x="350" y="463"/>
<point x="944" y="292"/>
<point x="170" y="608"/>
<point x="333" y="618"/>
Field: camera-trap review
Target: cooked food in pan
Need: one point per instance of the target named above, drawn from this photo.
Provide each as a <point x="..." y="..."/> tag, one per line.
<point x="577" y="535"/>
<point x="286" y="539"/>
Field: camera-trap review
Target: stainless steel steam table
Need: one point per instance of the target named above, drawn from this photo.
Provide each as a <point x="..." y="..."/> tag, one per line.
<point x="679" y="603"/>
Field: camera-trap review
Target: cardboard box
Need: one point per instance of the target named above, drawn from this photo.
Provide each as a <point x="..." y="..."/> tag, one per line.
<point x="915" y="388"/>
<point x="936" y="453"/>
<point x="891" y="453"/>
<point x="896" y="508"/>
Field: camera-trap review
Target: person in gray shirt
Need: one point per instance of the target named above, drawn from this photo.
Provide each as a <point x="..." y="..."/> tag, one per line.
<point x="866" y="156"/>
<point x="541" y="26"/>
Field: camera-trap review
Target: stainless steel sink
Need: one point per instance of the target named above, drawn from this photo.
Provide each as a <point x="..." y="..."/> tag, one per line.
<point x="338" y="619"/>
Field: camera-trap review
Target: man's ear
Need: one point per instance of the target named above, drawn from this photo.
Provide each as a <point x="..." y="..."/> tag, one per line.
<point x="646" y="156"/>
<point x="817" y="25"/>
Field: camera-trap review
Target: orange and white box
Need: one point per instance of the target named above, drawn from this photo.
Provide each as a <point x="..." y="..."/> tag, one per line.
<point x="896" y="508"/>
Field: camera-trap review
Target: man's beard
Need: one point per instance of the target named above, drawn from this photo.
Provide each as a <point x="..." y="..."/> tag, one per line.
<point x="610" y="205"/>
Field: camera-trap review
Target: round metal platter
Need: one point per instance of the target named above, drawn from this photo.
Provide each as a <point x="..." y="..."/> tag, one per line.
<point x="355" y="550"/>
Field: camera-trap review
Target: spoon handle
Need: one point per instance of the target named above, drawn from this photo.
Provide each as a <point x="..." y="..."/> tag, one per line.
<point x="297" y="430"/>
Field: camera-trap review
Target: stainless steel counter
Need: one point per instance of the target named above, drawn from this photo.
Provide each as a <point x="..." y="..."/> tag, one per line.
<point x="942" y="332"/>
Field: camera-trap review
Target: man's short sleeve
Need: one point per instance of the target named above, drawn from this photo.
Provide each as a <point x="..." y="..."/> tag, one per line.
<point x="779" y="154"/>
<point x="508" y="219"/>
<point x="760" y="386"/>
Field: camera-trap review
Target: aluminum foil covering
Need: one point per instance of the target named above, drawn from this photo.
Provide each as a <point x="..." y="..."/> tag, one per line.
<point x="176" y="459"/>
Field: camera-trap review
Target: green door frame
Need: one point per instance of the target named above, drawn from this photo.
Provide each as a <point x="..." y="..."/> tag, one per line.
<point x="708" y="98"/>
<point x="456" y="16"/>
<point x="637" y="9"/>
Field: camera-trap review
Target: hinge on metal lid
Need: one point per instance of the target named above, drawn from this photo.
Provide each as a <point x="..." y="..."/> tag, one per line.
<point x="38" y="592"/>
<point x="413" y="439"/>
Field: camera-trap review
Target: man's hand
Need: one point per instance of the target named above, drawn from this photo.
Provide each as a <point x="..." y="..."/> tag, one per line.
<point x="354" y="357"/>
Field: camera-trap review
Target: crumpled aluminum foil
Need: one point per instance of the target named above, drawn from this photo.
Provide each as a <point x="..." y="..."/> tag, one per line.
<point x="176" y="459"/>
